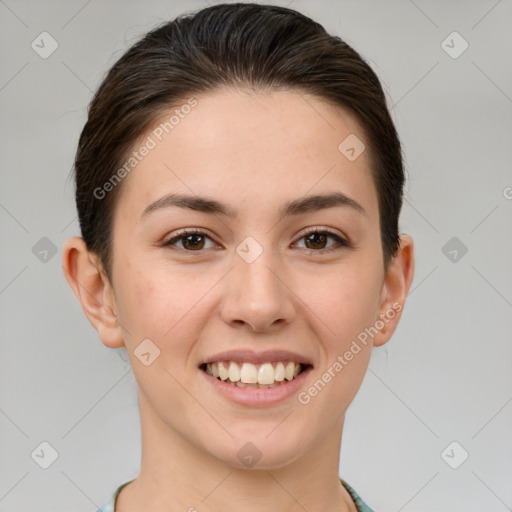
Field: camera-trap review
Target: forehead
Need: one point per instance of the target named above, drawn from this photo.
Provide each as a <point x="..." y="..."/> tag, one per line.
<point x="240" y="145"/>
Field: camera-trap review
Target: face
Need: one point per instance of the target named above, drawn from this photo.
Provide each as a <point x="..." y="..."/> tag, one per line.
<point x="250" y="276"/>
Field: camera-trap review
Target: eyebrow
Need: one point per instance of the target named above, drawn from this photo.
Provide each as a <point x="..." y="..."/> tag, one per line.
<point x="211" y="206"/>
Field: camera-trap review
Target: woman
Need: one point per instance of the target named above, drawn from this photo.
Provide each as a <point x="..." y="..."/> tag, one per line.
<point x="239" y="184"/>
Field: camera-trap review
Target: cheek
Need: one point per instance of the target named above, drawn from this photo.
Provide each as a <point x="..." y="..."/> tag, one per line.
<point x="346" y="308"/>
<point x="149" y="301"/>
<point x="154" y="307"/>
<point x="162" y="304"/>
<point x="345" y="300"/>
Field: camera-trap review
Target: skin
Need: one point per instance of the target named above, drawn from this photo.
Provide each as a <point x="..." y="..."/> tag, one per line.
<point x="254" y="151"/>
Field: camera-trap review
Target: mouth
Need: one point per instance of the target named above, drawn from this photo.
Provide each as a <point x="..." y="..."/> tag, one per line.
<point x="255" y="376"/>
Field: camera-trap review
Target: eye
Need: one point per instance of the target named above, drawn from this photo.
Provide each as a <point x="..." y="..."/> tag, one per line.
<point x="193" y="240"/>
<point x="315" y="240"/>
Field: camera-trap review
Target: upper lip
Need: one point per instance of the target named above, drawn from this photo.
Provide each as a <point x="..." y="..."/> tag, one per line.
<point x="249" y="356"/>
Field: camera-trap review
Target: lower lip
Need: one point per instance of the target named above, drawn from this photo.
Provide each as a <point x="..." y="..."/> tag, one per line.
<point x="255" y="397"/>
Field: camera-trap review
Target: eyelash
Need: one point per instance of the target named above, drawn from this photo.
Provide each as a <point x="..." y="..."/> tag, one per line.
<point x="341" y="242"/>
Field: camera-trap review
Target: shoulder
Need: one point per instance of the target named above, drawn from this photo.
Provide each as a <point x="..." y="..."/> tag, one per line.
<point x="360" y="504"/>
<point x="109" y="506"/>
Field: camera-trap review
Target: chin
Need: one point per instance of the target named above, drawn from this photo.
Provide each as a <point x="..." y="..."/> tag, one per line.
<point x="260" y="452"/>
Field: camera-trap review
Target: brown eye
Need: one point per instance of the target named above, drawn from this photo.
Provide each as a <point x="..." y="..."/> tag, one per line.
<point x="191" y="241"/>
<point x="317" y="240"/>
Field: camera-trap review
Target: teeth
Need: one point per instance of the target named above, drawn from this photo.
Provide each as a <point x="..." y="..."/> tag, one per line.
<point x="233" y="372"/>
<point x="279" y="372"/>
<point x="240" y="384"/>
<point x="249" y="374"/>
<point x="289" y="371"/>
<point x="223" y="371"/>
<point x="266" y="374"/>
<point x="253" y="376"/>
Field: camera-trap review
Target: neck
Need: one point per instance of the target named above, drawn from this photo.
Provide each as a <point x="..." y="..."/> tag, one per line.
<point x="178" y="476"/>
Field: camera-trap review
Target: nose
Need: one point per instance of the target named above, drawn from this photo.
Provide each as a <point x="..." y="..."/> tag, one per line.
<point x="257" y="295"/>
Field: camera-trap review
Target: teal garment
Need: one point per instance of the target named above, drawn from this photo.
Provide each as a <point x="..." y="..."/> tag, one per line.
<point x="361" y="506"/>
<point x="110" y="505"/>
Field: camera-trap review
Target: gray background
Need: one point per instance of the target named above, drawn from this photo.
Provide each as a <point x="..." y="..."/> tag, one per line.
<point x="446" y="374"/>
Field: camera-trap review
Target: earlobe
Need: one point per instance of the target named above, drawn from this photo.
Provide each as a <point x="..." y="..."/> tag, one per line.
<point x="397" y="282"/>
<point x="85" y="276"/>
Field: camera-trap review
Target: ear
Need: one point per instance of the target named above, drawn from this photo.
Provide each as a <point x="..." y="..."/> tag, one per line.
<point x="86" y="277"/>
<point x="397" y="282"/>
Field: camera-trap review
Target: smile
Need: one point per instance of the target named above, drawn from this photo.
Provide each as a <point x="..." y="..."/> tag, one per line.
<point x="248" y="375"/>
<point x="253" y="394"/>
